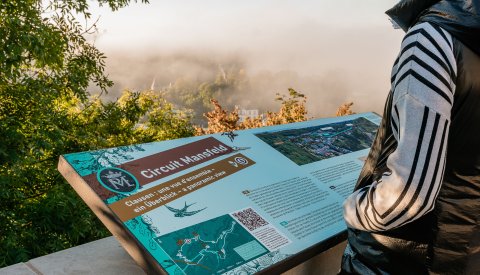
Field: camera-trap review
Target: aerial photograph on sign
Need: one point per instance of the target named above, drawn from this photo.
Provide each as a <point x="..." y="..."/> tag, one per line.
<point x="311" y="144"/>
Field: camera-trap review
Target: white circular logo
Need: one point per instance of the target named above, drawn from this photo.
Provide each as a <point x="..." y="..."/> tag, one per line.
<point x="241" y="161"/>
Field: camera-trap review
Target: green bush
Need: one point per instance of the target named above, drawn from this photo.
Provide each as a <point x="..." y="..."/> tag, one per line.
<point x="46" y="66"/>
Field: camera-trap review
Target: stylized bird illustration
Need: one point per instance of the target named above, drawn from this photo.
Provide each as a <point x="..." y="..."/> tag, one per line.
<point x="180" y="213"/>
<point x="231" y="135"/>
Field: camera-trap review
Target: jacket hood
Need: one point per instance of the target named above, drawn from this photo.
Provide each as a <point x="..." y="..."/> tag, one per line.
<point x="461" y="18"/>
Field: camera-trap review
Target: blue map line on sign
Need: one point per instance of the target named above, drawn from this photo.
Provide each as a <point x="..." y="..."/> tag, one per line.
<point x="210" y="247"/>
<point x="219" y="253"/>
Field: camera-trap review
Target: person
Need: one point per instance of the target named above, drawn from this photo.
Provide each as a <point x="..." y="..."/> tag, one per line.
<point x="416" y="205"/>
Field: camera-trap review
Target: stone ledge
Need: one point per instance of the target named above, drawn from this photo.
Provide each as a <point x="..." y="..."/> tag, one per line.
<point x="107" y="257"/>
<point x="18" y="269"/>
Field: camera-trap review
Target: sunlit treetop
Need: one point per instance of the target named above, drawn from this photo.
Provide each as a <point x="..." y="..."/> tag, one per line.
<point x="44" y="41"/>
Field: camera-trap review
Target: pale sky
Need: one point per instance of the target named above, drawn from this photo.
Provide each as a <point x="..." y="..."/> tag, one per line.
<point x="350" y="39"/>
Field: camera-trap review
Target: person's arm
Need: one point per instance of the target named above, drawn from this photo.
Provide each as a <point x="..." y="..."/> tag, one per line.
<point x="423" y="85"/>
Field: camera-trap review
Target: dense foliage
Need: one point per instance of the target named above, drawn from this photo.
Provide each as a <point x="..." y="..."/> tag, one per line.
<point x="196" y="94"/>
<point x="46" y="66"/>
<point x="292" y="109"/>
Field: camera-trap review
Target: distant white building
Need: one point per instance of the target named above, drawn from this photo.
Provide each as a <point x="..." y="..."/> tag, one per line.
<point x="244" y="113"/>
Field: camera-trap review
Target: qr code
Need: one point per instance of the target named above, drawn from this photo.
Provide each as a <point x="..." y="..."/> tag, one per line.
<point x="250" y="219"/>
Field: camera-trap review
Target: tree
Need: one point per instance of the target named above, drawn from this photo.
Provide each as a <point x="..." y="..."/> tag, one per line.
<point x="46" y="65"/>
<point x="44" y="56"/>
<point x="219" y="120"/>
<point x="197" y="94"/>
<point x="345" y="109"/>
<point x="292" y="109"/>
<point x="136" y="117"/>
<point x="40" y="212"/>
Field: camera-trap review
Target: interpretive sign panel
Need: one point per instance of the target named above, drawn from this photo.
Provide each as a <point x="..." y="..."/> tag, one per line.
<point x="233" y="203"/>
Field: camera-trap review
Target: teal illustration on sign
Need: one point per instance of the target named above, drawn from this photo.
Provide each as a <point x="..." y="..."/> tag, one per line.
<point x="211" y="247"/>
<point x="86" y="163"/>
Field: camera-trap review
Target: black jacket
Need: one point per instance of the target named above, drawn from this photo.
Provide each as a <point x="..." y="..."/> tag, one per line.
<point x="447" y="240"/>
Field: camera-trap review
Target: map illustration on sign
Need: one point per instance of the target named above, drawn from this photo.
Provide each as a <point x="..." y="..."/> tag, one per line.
<point x="212" y="247"/>
<point x="307" y="145"/>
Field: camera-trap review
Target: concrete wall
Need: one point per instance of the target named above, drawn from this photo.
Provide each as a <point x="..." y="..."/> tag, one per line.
<point x="107" y="257"/>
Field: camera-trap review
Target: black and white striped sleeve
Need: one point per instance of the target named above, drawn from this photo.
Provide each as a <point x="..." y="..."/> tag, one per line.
<point x="423" y="83"/>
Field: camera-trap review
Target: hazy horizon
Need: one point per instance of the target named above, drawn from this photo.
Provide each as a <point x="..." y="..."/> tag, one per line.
<point x="332" y="52"/>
